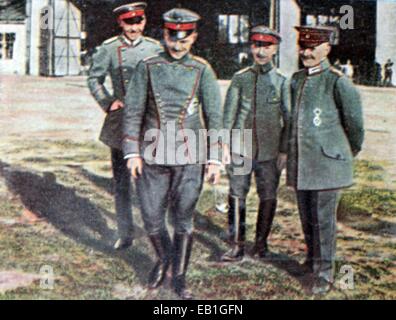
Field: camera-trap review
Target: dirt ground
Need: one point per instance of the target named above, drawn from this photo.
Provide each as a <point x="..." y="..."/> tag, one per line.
<point x="62" y="108"/>
<point x="56" y="210"/>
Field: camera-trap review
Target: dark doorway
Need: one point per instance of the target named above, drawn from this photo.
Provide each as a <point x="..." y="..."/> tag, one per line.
<point x="358" y="44"/>
<point x="223" y="31"/>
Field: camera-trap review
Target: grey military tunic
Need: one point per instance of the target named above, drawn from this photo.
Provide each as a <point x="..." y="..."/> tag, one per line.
<point x="183" y="97"/>
<point x="258" y="99"/>
<point x="171" y="100"/>
<point x="326" y="132"/>
<point x="117" y="57"/>
<point x="326" y="129"/>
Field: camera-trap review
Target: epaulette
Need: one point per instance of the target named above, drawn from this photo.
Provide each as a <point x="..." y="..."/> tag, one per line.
<point x="200" y="60"/>
<point x="111" y="40"/>
<point x="152" y="40"/>
<point x="150" y="57"/>
<point x="280" y="73"/>
<point x="242" y="71"/>
<point x="336" y="71"/>
<point x="299" y="72"/>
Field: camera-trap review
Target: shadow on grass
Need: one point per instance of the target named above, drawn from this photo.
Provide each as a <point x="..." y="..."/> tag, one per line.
<point x="374" y="226"/>
<point x="205" y="224"/>
<point x="106" y="184"/>
<point x="358" y="207"/>
<point x="73" y="215"/>
<point x="103" y="183"/>
<point x="292" y="267"/>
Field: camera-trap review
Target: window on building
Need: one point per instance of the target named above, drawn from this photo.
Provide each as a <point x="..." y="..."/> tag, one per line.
<point x="233" y="28"/>
<point x="7" y="41"/>
<point x="311" y="20"/>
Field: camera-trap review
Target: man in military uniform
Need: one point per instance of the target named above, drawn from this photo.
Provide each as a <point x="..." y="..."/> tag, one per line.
<point x="388" y="73"/>
<point x="258" y="100"/>
<point x="326" y="133"/>
<point x="165" y="100"/>
<point x="118" y="57"/>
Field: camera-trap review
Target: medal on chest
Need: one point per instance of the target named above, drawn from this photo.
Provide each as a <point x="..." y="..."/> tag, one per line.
<point x="317" y="121"/>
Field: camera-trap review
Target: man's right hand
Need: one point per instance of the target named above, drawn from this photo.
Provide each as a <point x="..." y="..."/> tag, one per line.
<point x="136" y="166"/>
<point x="118" y="104"/>
<point x="226" y="159"/>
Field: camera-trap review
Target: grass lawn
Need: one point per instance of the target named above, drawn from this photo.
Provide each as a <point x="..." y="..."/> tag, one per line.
<point x="56" y="211"/>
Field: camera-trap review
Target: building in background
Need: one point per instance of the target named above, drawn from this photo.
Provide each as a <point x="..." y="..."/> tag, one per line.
<point x="12" y="38"/>
<point x="40" y="37"/>
<point x="80" y="25"/>
<point x="223" y="32"/>
<point x="370" y="43"/>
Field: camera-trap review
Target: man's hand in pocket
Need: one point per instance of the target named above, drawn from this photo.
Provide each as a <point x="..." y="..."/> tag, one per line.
<point x="116" y="105"/>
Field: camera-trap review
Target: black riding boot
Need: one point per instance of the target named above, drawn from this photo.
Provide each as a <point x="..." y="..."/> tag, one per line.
<point x="265" y="216"/>
<point x="163" y="247"/>
<point x="182" y="245"/>
<point x="237" y="220"/>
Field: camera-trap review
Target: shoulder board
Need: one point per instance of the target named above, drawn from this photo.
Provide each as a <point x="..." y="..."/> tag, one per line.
<point x="111" y="40"/>
<point x="336" y="71"/>
<point x="150" y="57"/>
<point x="297" y="73"/>
<point x="242" y="71"/>
<point x="279" y="73"/>
<point x="152" y="40"/>
<point x="200" y="60"/>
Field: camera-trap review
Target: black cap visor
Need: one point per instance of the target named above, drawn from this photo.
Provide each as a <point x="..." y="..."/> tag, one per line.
<point x="134" y="20"/>
<point x="176" y="35"/>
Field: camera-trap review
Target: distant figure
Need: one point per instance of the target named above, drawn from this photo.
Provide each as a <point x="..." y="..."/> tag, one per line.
<point x="243" y="59"/>
<point x="377" y="74"/>
<point x="337" y="65"/>
<point x="388" y="73"/>
<point x="347" y="69"/>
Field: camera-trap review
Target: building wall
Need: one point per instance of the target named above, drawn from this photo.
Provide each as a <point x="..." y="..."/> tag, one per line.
<point x="289" y="13"/>
<point x="33" y="10"/>
<point x="386" y="33"/>
<point x="54" y="48"/>
<point x="17" y="65"/>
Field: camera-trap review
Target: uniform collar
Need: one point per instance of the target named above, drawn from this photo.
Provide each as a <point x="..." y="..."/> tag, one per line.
<point x="125" y="40"/>
<point x="263" y="68"/>
<point x="323" y="65"/>
<point x="169" y="58"/>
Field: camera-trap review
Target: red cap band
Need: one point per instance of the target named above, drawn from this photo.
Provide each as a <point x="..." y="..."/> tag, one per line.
<point x="180" y="26"/>
<point x="264" y="38"/>
<point x="311" y="37"/>
<point x="131" y="14"/>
